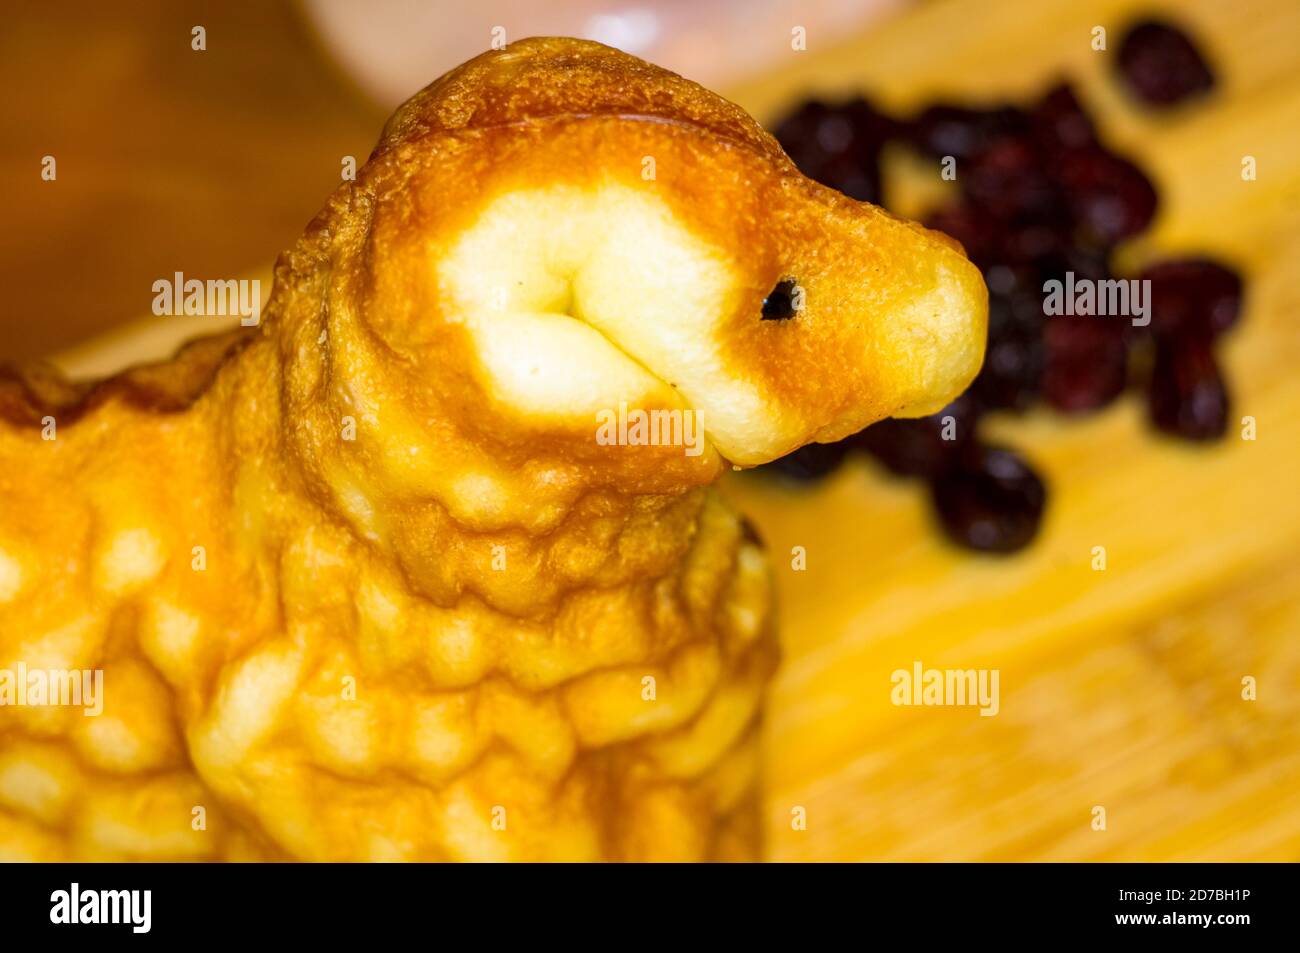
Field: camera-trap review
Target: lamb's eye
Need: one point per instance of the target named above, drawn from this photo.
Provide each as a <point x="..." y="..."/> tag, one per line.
<point x="779" y="303"/>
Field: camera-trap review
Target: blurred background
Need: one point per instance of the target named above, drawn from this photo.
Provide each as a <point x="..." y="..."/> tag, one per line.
<point x="1122" y="680"/>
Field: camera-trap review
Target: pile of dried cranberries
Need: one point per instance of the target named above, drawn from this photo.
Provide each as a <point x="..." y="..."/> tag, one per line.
<point x="1039" y="197"/>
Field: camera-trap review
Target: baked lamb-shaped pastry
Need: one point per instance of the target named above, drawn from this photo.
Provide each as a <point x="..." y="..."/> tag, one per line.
<point x="429" y="565"/>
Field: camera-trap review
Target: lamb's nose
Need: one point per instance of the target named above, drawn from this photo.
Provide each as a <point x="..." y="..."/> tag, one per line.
<point x="860" y="316"/>
<point x="938" y="336"/>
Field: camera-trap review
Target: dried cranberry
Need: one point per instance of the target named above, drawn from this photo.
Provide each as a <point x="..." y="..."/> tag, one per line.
<point x="869" y="124"/>
<point x="1161" y="65"/>
<point x="924" y="446"/>
<point x="1032" y="243"/>
<point x="1060" y="122"/>
<point x="1013" y="359"/>
<point x="1050" y="255"/>
<point x="1078" y="258"/>
<point x="811" y="462"/>
<point x="1087" y="362"/>
<point x="1193" y="296"/>
<point x="1109" y="197"/>
<point x="838" y="146"/>
<point x="976" y="232"/>
<point x="798" y="130"/>
<point x="1188" y="397"/>
<point x="857" y="177"/>
<point x="992" y="501"/>
<point x="1007" y="279"/>
<point x="1007" y="180"/>
<point x="961" y="132"/>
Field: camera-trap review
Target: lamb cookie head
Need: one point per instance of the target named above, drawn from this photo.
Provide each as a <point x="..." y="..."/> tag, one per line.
<point x="584" y="271"/>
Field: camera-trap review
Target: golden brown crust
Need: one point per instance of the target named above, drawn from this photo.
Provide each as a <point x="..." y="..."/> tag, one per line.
<point x="556" y="78"/>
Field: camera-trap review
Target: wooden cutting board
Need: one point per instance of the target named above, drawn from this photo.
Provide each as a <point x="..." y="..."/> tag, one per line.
<point x="1119" y="688"/>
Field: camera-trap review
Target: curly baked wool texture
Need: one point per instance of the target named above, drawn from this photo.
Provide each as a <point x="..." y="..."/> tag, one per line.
<point x="432" y="617"/>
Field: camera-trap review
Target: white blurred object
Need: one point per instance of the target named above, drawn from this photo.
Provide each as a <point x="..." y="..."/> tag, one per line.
<point x="393" y="48"/>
